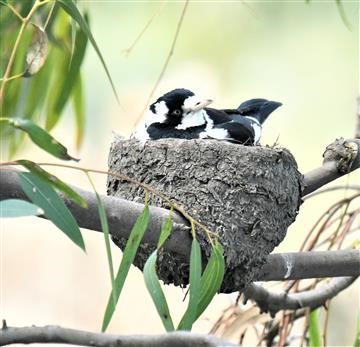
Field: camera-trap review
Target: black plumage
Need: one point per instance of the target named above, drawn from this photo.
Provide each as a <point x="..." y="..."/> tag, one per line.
<point x="181" y="114"/>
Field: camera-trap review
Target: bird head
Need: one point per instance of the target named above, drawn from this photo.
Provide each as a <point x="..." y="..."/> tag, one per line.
<point x="173" y="107"/>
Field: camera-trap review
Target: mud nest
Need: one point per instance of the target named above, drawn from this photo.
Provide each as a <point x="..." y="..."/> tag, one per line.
<point x="247" y="195"/>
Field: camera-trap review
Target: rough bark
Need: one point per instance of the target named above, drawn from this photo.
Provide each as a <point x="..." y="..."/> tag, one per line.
<point x="340" y="158"/>
<point x="247" y="195"/>
<point x="272" y="302"/>
<point x="56" y="334"/>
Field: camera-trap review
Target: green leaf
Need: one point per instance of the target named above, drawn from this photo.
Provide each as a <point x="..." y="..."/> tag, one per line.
<point x="58" y="81"/>
<point x="54" y="181"/>
<point x="357" y="334"/>
<point x="342" y="13"/>
<point x="79" y="109"/>
<point x="314" y="331"/>
<point x="105" y="229"/>
<point x="129" y="253"/>
<point x="13" y="88"/>
<point x="70" y="7"/>
<point x="40" y="137"/>
<point x="44" y="196"/>
<point x="211" y="279"/>
<point x="38" y="87"/>
<point x="190" y="315"/>
<point x="73" y="71"/>
<point x="165" y="231"/>
<point x="157" y="295"/>
<point x="73" y="37"/>
<point x="18" y="208"/>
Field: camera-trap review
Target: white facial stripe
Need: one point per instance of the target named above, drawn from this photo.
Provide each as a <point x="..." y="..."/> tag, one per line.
<point x="192" y="119"/>
<point x="161" y="111"/>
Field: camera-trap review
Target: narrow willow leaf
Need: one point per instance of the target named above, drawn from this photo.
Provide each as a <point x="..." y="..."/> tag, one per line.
<point x="105" y="230"/>
<point x="40" y="137"/>
<point x="212" y="278"/>
<point x="79" y="110"/>
<point x="37" y="52"/>
<point x="54" y="181"/>
<point x="157" y="295"/>
<point x="59" y="76"/>
<point x="11" y="99"/>
<point x="129" y="253"/>
<point x="357" y="333"/>
<point x="70" y="7"/>
<point x="18" y="208"/>
<point x="342" y="13"/>
<point x="44" y="196"/>
<point x="165" y="231"/>
<point x="38" y="87"/>
<point x="73" y="38"/>
<point x="314" y="331"/>
<point x="72" y="73"/>
<point x="190" y="315"/>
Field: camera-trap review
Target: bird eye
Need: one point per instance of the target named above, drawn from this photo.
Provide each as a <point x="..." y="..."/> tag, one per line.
<point x="176" y="112"/>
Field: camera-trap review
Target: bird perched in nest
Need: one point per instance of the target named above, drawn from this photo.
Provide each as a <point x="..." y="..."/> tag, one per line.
<point x="181" y="114"/>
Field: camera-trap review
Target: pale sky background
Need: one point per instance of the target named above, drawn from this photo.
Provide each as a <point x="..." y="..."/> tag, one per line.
<point x="299" y="54"/>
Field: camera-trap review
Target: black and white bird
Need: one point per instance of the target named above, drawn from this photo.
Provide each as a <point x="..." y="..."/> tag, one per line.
<point x="181" y="114"/>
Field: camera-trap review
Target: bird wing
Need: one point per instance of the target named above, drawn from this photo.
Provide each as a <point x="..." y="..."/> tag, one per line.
<point x="239" y="132"/>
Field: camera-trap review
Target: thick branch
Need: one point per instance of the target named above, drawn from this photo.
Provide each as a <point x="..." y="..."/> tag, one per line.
<point x="122" y="215"/>
<point x="274" y="302"/>
<point x="55" y="334"/>
<point x="302" y="265"/>
<point x="340" y="158"/>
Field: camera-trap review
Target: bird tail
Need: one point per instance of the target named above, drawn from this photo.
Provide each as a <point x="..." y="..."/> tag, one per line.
<point x="259" y="109"/>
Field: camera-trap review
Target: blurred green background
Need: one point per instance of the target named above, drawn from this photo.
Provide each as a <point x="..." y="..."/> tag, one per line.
<point x="301" y="54"/>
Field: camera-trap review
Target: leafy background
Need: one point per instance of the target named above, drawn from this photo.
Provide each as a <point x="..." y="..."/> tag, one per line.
<point x="300" y="54"/>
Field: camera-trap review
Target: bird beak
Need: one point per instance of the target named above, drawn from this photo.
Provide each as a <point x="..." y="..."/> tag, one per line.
<point x="200" y="105"/>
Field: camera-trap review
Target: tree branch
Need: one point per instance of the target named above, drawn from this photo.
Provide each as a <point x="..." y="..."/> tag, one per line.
<point x="122" y="215"/>
<point x="301" y="265"/>
<point x="274" y="302"/>
<point x="56" y="334"/>
<point x="340" y="158"/>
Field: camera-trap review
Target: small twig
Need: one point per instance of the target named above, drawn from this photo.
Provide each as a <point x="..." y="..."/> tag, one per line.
<point x="334" y="235"/>
<point x="346" y="228"/>
<point x="49" y="15"/>
<point x="326" y="322"/>
<point x="305" y="329"/>
<point x="167" y="60"/>
<point x="13" y="10"/>
<point x="20" y="34"/>
<point x="284" y="330"/>
<point x="274" y="302"/>
<point x="128" y="50"/>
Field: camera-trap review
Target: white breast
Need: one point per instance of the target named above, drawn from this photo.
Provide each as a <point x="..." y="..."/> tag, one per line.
<point x="257" y="129"/>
